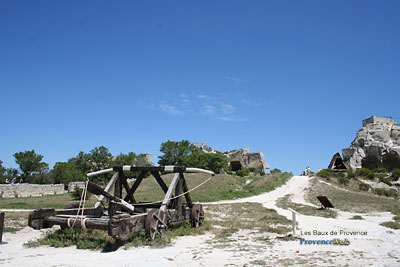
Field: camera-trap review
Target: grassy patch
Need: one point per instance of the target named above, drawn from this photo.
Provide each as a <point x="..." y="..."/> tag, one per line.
<point x="352" y="201"/>
<point x="220" y="187"/>
<point x="49" y="201"/>
<point x="357" y="217"/>
<point x="230" y="218"/>
<point x="15" y="221"/>
<point x="392" y="224"/>
<point x="100" y="240"/>
<point x="285" y="202"/>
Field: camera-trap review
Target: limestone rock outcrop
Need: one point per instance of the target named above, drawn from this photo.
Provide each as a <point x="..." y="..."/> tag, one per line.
<point x="378" y="137"/>
<point x="239" y="158"/>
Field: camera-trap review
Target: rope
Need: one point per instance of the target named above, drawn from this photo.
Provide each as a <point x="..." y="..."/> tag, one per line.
<point x="83" y="199"/>
<point x="194" y="188"/>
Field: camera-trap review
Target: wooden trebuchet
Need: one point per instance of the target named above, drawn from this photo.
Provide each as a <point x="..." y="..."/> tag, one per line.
<point x="119" y="215"/>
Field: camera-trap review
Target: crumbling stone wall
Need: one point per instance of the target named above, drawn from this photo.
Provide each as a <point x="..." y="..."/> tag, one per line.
<point x="30" y="190"/>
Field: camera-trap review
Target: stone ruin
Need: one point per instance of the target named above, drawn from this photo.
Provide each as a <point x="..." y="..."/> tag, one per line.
<point x="378" y="136"/>
<point x="239" y="158"/>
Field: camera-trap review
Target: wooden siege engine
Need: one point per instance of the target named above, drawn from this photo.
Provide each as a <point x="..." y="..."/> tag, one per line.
<point x="124" y="214"/>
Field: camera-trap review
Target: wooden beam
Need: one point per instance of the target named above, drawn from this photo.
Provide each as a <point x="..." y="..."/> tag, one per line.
<point x="135" y="185"/>
<point x="1" y="226"/>
<point x="113" y="179"/>
<point x="126" y="186"/>
<point x="187" y="196"/>
<point x="168" y="195"/>
<point x="160" y="181"/>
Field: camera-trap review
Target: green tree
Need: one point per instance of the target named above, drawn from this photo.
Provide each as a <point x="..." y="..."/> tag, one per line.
<point x="65" y="172"/>
<point x="209" y="161"/>
<point x="29" y="162"/>
<point x="100" y="158"/>
<point x="2" y="171"/>
<point x="174" y="153"/>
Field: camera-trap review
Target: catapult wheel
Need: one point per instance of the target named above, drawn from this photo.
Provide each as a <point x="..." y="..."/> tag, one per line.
<point x="197" y="215"/>
<point x="155" y="224"/>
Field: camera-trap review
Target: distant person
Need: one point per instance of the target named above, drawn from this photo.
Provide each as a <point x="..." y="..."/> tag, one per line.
<point x="13" y="180"/>
<point x="308" y="170"/>
<point x="7" y="181"/>
<point x="21" y="181"/>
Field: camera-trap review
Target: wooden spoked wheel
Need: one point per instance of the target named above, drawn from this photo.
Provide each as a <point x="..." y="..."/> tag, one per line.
<point x="154" y="225"/>
<point x="197" y="215"/>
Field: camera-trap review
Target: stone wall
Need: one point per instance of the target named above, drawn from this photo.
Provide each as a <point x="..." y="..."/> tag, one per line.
<point x="30" y="190"/>
<point x="73" y="185"/>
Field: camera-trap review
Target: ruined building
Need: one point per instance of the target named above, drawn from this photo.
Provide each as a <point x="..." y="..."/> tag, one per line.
<point x="239" y="158"/>
<point x="378" y="138"/>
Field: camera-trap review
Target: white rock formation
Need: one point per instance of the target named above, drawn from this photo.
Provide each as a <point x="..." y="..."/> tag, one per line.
<point x="377" y="137"/>
<point x="239" y="158"/>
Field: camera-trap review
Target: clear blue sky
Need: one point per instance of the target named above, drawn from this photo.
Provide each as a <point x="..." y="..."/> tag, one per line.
<point x="293" y="79"/>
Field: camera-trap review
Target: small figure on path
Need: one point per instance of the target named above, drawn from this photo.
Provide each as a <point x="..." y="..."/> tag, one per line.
<point x="13" y="180"/>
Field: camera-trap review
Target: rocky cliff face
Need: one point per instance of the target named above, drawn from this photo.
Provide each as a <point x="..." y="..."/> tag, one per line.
<point x="239" y="158"/>
<point x="378" y="137"/>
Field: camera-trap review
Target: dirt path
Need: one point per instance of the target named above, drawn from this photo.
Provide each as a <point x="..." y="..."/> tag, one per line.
<point x="379" y="247"/>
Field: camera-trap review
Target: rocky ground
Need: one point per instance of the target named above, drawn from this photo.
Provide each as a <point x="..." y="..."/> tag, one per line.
<point x="369" y="242"/>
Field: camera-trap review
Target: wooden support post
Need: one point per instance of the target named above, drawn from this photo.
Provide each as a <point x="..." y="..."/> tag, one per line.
<point x="107" y="189"/>
<point x="178" y="191"/>
<point x="135" y="185"/>
<point x="187" y="196"/>
<point x="168" y="195"/>
<point x="1" y="226"/>
<point x="293" y="221"/>
<point x="126" y="186"/>
<point x="160" y="181"/>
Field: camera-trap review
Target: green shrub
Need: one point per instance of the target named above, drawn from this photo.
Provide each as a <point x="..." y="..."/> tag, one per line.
<point x="364" y="187"/>
<point x="275" y="170"/>
<point x="338" y="174"/>
<point x="395" y="174"/>
<point x="343" y="180"/>
<point x="77" y="193"/>
<point x="351" y="175"/>
<point x="384" y="192"/>
<point x="367" y="173"/>
<point x="387" y="181"/>
<point x="229" y="172"/>
<point x="243" y="172"/>
<point x="325" y="173"/>
<point x="380" y="170"/>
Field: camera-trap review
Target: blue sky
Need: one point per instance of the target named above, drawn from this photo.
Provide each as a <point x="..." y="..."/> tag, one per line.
<point x="293" y="79"/>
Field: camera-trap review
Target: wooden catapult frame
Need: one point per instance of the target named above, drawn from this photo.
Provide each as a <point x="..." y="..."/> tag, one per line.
<point x="126" y="215"/>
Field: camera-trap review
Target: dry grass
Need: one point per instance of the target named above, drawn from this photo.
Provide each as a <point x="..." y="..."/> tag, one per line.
<point x="15" y="221"/>
<point x="50" y="201"/>
<point x="352" y="201"/>
<point x="285" y="202"/>
<point x="230" y="218"/>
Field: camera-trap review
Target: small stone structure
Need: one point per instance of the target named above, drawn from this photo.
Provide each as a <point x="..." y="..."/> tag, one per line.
<point x="378" y="137"/>
<point x="30" y="190"/>
<point x="73" y="185"/>
<point x="239" y="158"/>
